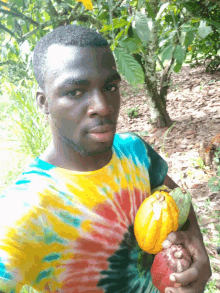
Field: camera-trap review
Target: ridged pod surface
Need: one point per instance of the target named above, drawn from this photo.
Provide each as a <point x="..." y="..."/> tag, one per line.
<point x="157" y="216"/>
<point x="183" y="200"/>
<point x="174" y="259"/>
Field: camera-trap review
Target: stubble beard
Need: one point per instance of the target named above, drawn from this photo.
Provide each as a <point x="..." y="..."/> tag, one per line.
<point x="82" y="149"/>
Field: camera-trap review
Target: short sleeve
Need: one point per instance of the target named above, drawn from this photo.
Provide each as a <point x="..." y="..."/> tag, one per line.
<point x="26" y="242"/>
<point x="158" y="167"/>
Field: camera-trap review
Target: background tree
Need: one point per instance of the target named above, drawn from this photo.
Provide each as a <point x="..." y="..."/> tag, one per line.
<point x="145" y="35"/>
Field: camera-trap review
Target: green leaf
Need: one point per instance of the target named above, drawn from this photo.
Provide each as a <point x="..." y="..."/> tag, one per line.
<point x="169" y="18"/>
<point x="203" y="30"/>
<point x="150" y="11"/>
<point x="129" y="67"/>
<point x="120" y="34"/>
<point x="131" y="45"/>
<point x="189" y="38"/>
<point x="177" y="67"/>
<point x="213" y="22"/>
<point x="213" y="184"/>
<point x="178" y="54"/>
<point x="117" y="23"/>
<point x="140" y="4"/>
<point x="161" y="10"/>
<point x="191" y="6"/>
<point x="141" y="25"/>
<point x="167" y="53"/>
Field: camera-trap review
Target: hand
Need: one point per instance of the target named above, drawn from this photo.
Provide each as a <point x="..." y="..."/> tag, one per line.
<point x="194" y="279"/>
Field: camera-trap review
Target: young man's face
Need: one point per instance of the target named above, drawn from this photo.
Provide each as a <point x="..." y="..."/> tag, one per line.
<point x="82" y="89"/>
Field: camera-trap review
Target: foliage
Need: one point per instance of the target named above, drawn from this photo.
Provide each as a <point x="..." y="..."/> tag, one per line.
<point x="214" y="182"/>
<point x="140" y="33"/>
<point x="132" y="112"/>
<point x="198" y="163"/>
<point x="206" y="45"/>
<point x="28" y="124"/>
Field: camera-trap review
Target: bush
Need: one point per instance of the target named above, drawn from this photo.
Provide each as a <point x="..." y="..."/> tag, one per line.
<point x="28" y="124"/>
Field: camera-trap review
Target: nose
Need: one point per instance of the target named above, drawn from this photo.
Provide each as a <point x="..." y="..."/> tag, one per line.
<point x="99" y="105"/>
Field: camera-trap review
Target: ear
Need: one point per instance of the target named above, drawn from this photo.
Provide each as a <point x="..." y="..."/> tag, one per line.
<point x="42" y="101"/>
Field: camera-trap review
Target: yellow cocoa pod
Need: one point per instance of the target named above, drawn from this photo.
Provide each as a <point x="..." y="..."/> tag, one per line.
<point x="156" y="218"/>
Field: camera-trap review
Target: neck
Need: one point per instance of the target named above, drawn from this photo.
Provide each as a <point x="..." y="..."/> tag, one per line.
<point x="59" y="155"/>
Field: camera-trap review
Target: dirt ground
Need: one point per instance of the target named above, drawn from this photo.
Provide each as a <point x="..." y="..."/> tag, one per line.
<point x="193" y="103"/>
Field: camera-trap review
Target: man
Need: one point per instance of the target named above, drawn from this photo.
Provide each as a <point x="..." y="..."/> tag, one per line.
<point x="67" y="224"/>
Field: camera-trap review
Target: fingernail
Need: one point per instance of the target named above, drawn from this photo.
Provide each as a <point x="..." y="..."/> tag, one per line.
<point x="166" y="244"/>
<point x="172" y="278"/>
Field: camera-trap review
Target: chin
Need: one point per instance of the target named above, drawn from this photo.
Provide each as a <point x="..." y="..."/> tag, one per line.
<point x="90" y="153"/>
<point x="87" y="151"/>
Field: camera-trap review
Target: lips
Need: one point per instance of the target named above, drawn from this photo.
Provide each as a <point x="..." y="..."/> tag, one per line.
<point x="103" y="133"/>
<point x="101" y="128"/>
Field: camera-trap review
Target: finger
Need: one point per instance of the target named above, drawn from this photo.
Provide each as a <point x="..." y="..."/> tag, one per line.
<point x="192" y="288"/>
<point x="185" y="289"/>
<point x="175" y="238"/>
<point x="185" y="277"/>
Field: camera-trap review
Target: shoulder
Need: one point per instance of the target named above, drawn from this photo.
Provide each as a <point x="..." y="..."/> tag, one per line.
<point x="24" y="192"/>
<point x="132" y="146"/>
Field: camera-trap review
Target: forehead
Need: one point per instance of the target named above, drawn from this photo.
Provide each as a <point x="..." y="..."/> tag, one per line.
<point x="65" y="58"/>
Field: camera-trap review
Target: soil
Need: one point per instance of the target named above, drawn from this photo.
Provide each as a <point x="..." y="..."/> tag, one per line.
<point x="193" y="103"/>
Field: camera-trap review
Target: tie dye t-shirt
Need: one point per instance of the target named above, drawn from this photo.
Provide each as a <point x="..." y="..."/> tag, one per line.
<point x="67" y="231"/>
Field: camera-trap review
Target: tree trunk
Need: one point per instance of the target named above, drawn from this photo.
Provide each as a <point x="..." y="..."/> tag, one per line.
<point x="157" y="100"/>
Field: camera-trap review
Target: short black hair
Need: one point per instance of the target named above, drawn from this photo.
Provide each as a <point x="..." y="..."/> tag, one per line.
<point x="68" y="35"/>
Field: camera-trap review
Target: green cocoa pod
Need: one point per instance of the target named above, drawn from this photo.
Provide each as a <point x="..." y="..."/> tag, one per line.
<point x="183" y="200"/>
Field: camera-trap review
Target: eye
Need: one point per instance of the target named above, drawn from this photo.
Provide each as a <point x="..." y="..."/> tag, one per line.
<point x="111" y="88"/>
<point x="74" y="93"/>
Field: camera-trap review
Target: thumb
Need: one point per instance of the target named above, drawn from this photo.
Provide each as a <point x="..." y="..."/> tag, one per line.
<point x="175" y="238"/>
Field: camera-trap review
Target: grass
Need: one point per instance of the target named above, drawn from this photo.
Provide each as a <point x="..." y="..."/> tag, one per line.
<point x="24" y="132"/>
<point x="28" y="124"/>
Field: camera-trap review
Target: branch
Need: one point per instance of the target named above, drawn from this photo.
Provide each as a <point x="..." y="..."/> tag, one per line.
<point x="8" y="31"/>
<point x="72" y="13"/>
<point x="52" y="9"/>
<point x="85" y="18"/>
<point x="78" y="4"/>
<point x="8" y="12"/>
<point x="117" y="5"/>
<point x="160" y="62"/>
<point x="65" y="19"/>
<point x="21" y="15"/>
<point x="90" y="18"/>
<point x="164" y="85"/>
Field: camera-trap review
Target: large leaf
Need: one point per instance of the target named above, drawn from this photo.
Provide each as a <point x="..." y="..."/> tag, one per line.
<point x="131" y="45"/>
<point x="179" y="54"/>
<point x="214" y="23"/>
<point x="141" y="26"/>
<point x="177" y="67"/>
<point x="161" y="10"/>
<point x="140" y="3"/>
<point x="150" y="11"/>
<point x="189" y="38"/>
<point x="167" y="52"/>
<point x="129" y="67"/>
<point x="191" y="6"/>
<point x="214" y="184"/>
<point x="204" y="30"/>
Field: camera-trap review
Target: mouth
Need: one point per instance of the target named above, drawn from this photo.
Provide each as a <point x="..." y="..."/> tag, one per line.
<point x="103" y="133"/>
